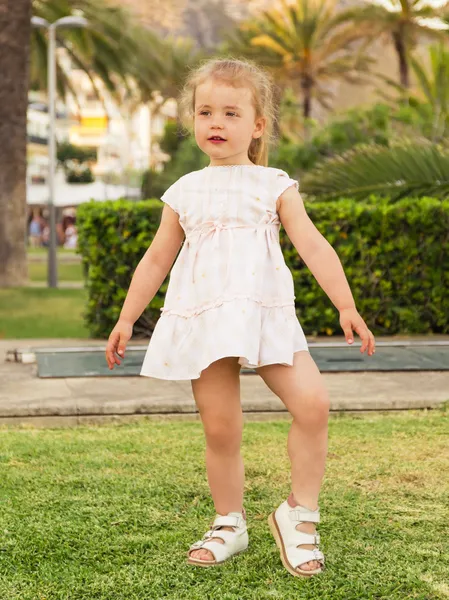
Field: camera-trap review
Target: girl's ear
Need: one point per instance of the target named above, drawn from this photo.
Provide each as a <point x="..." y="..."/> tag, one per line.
<point x="259" y="127"/>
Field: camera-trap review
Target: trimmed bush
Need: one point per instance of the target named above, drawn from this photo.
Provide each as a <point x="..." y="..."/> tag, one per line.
<point x="395" y="257"/>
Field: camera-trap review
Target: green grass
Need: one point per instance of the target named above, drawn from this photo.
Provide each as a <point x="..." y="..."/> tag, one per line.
<point x="42" y="313"/>
<point x="43" y="250"/>
<point x="107" y="513"/>
<point x="37" y="271"/>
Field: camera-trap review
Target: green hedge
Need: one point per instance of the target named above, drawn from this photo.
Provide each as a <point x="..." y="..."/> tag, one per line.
<point x="395" y="257"/>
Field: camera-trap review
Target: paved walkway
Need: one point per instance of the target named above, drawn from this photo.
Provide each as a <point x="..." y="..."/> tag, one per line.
<point x="24" y="398"/>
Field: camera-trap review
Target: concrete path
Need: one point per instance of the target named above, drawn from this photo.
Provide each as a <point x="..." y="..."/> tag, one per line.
<point x="24" y="398"/>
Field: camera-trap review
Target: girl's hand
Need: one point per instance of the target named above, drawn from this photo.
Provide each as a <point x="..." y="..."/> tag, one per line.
<point x="349" y="320"/>
<point x="117" y="341"/>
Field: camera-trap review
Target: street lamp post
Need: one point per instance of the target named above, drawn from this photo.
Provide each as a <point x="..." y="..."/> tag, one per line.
<point x="73" y="22"/>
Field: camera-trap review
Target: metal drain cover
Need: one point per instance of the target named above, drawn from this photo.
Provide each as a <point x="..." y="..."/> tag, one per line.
<point x="338" y="357"/>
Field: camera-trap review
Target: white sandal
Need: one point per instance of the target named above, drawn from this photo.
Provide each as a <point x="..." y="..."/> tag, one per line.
<point x="283" y="522"/>
<point x="235" y="541"/>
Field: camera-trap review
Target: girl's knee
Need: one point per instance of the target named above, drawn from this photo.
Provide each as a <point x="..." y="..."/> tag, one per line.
<point x="223" y="436"/>
<point x="313" y="411"/>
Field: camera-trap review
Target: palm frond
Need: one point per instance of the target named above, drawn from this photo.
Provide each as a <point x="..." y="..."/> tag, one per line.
<point x="423" y="79"/>
<point x="408" y="168"/>
<point x="115" y="48"/>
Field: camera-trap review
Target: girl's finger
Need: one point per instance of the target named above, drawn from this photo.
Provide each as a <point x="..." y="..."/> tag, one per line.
<point x="372" y="343"/>
<point x="363" y="333"/>
<point x="348" y="334"/>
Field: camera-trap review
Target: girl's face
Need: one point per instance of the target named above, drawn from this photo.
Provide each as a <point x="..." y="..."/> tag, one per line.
<point x="226" y="112"/>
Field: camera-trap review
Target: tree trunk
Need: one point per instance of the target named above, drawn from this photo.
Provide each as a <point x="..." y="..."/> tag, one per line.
<point x="15" y="31"/>
<point x="399" y="44"/>
<point x="306" y="86"/>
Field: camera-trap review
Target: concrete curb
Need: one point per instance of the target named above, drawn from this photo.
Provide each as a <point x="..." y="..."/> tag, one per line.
<point x="26" y="399"/>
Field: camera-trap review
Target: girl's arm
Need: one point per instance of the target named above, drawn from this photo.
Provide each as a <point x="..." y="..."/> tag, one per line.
<point x="324" y="263"/>
<point x="153" y="266"/>
<point x="147" y="279"/>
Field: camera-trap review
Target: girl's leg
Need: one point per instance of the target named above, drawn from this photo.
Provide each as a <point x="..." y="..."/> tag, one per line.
<point x="301" y="388"/>
<point x="217" y="396"/>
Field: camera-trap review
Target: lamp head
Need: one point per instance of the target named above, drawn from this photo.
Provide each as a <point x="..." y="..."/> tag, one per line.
<point x="71" y="21"/>
<point x="39" y="22"/>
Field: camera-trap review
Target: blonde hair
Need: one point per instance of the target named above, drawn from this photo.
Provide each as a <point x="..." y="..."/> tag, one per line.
<point x="238" y="73"/>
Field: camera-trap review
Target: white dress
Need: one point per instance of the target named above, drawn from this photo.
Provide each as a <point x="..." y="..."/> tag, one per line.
<point x="230" y="292"/>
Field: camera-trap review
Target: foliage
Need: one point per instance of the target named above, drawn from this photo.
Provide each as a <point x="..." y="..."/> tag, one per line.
<point x="83" y="175"/>
<point x="393" y="255"/>
<point x="153" y="185"/>
<point x="112" y="238"/>
<point x="187" y="158"/>
<point x="67" y="151"/>
<point x="171" y="139"/>
<point x="161" y="65"/>
<point x="404" y="169"/>
<point x="74" y="160"/>
<point x="290" y="120"/>
<point x="357" y="126"/>
<point x="425" y="111"/>
<point x="106" y="49"/>
<point x="433" y="101"/>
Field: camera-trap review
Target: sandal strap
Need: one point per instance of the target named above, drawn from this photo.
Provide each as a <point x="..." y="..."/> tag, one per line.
<point x="299" y="538"/>
<point x="217" y="532"/>
<point x="304" y="515"/>
<point x="228" y="521"/>
<point x="219" y="551"/>
<point x="299" y="556"/>
<point x="223" y="534"/>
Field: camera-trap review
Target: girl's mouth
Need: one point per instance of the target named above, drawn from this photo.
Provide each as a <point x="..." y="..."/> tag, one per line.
<point x="216" y="139"/>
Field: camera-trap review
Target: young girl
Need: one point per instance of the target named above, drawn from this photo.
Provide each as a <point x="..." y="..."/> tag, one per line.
<point x="230" y="303"/>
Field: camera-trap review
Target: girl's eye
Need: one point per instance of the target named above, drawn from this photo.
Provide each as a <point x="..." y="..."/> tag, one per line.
<point x="206" y="112"/>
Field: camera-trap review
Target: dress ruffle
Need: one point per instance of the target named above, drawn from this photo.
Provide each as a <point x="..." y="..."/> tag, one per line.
<point x="258" y="335"/>
<point x="194" y="312"/>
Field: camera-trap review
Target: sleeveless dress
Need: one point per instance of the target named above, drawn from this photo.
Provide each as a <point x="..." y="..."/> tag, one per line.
<point x="230" y="292"/>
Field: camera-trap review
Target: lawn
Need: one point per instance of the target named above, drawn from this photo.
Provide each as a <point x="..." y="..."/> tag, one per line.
<point x="108" y="512"/>
<point x="44" y="250"/>
<point x="42" y="313"/>
<point x="67" y="271"/>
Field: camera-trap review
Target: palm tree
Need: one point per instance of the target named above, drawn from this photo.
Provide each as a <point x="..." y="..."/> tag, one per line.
<point x="14" y="67"/>
<point x="401" y="22"/>
<point x="307" y="45"/>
